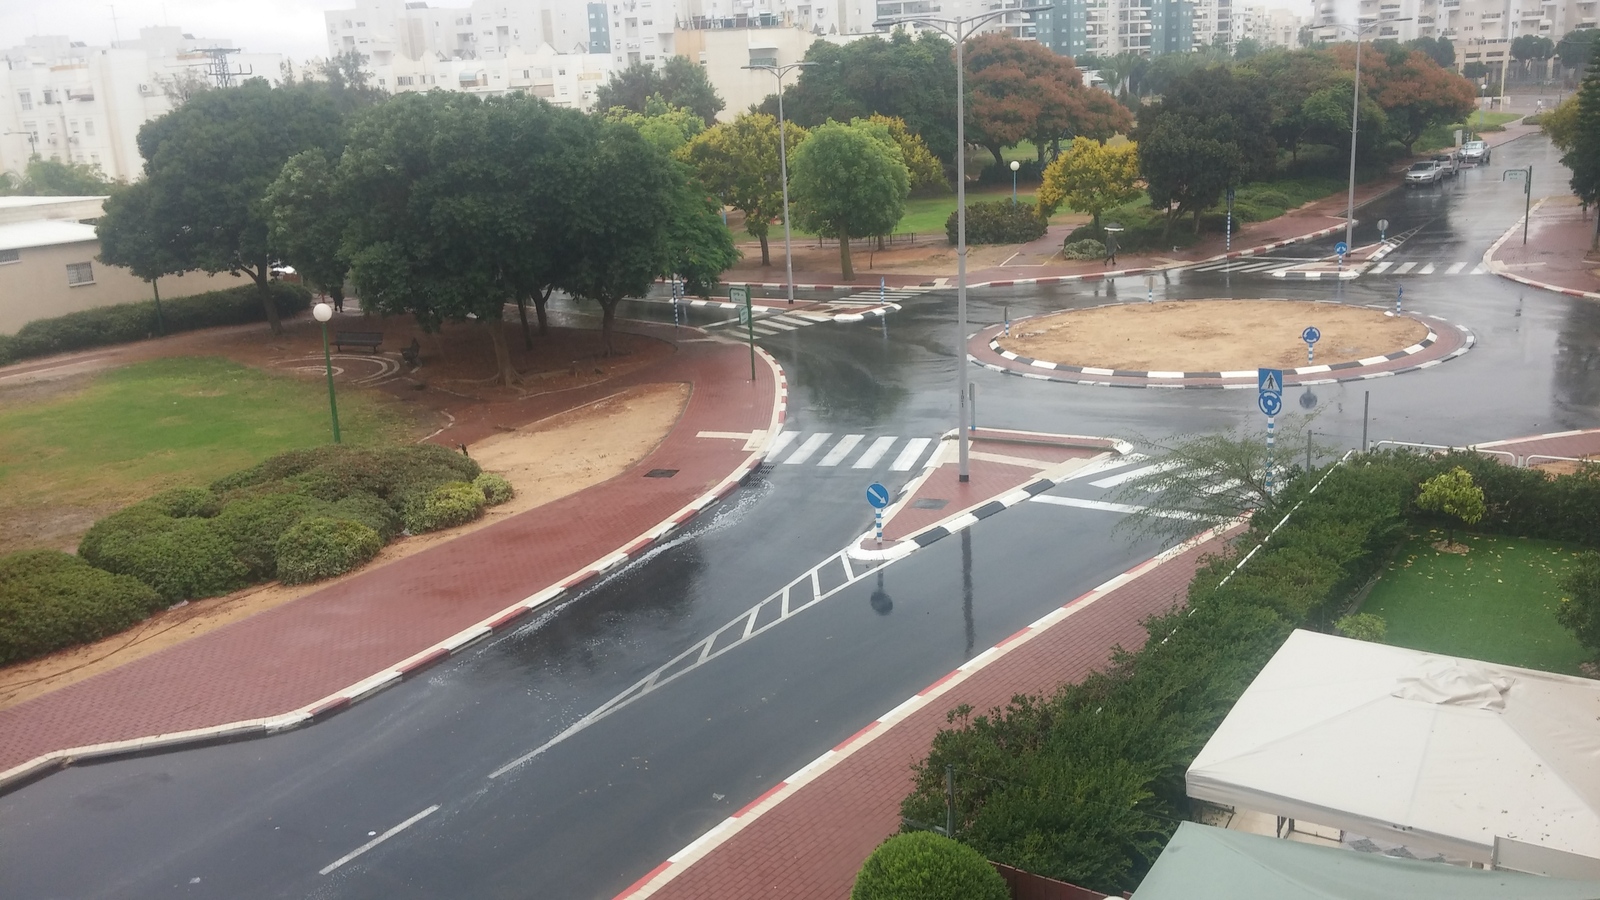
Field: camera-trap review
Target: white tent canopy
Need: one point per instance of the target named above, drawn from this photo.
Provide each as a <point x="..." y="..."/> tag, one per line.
<point x="1425" y="750"/>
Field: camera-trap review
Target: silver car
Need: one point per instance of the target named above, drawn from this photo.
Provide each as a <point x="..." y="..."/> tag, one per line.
<point x="1474" y="152"/>
<point x="1425" y="172"/>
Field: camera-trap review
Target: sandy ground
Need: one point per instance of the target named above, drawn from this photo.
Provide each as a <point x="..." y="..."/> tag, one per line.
<point x="1210" y="335"/>
<point x="544" y="461"/>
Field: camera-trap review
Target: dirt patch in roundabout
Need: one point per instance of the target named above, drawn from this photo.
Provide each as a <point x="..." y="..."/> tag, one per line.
<point x="1209" y="335"/>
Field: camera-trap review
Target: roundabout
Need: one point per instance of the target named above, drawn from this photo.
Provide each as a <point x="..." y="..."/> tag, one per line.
<point x="1216" y="343"/>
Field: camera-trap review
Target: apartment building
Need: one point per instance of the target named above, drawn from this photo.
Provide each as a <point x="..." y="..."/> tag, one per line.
<point x="1111" y="27"/>
<point x="66" y="100"/>
<point x="1267" y="27"/>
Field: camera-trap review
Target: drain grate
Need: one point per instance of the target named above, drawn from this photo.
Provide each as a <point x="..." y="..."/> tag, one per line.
<point x="661" y="473"/>
<point x="930" y="503"/>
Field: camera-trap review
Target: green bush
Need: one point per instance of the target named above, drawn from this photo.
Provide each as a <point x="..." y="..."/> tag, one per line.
<point x="181" y="558"/>
<point x="50" y="600"/>
<point x="128" y="322"/>
<point x="187" y="501"/>
<point x="446" y="506"/>
<point x="320" y="547"/>
<point x="496" y="490"/>
<point x="1580" y="610"/>
<point x="1088" y="248"/>
<point x="1361" y="627"/>
<point x="371" y="511"/>
<point x="926" y="866"/>
<point x="998" y="222"/>
<point x="333" y="472"/>
<point x="252" y="528"/>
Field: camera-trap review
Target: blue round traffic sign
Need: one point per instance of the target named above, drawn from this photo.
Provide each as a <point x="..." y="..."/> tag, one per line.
<point x="1311" y="335"/>
<point x="877" y="495"/>
<point x="1341" y="248"/>
<point x="1271" y="404"/>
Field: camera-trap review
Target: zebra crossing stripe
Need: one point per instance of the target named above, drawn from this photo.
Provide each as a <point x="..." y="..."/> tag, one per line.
<point x="1131" y="474"/>
<point x="909" y="456"/>
<point x="784" y="439"/>
<point x="774" y="323"/>
<point x="841" y="450"/>
<point x="792" y="320"/>
<point x="811" y="445"/>
<point x="1427" y="269"/>
<point x="874" y="453"/>
<point x="1455" y="268"/>
<point x="1380" y="268"/>
<point x="1404" y="268"/>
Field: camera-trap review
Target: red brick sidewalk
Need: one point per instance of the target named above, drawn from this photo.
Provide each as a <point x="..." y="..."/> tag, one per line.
<point x="325" y="644"/>
<point x="806" y="838"/>
<point x="1556" y="256"/>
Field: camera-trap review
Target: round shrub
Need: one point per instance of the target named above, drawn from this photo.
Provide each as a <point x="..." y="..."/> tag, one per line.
<point x="1088" y="248"/>
<point x="187" y="501"/>
<point x="371" y="511"/>
<point x="496" y="490"/>
<point x="926" y="866"/>
<point x="998" y="222"/>
<point x="320" y="547"/>
<point x="252" y="528"/>
<point x="50" y="600"/>
<point x="446" y="506"/>
<point x="1361" y="627"/>
<point x="180" y="558"/>
<point x="125" y="524"/>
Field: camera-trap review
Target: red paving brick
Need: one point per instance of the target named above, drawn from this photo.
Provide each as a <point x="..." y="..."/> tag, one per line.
<point x="1557" y="251"/>
<point x="291" y="656"/>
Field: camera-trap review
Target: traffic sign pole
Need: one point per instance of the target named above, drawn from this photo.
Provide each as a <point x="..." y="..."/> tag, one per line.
<point x="878" y="497"/>
<point x="740" y="296"/>
<point x="1399" y="296"/>
<point x="1271" y="438"/>
<point x="1269" y="397"/>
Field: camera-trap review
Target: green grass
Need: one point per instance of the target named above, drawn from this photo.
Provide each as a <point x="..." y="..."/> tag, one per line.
<point x="1496" y="603"/>
<point x="168" y="422"/>
<point x="1444" y="136"/>
<point x="927" y="215"/>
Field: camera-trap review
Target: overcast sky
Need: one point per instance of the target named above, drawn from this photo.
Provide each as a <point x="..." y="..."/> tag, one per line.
<point x="291" y="27"/>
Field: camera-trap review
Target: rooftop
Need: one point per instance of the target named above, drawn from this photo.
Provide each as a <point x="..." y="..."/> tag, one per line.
<point x="44" y="233"/>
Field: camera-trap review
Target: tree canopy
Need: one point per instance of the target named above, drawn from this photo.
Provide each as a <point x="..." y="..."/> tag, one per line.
<point x="1090" y="177"/>
<point x="305" y="224"/>
<point x="665" y="126"/>
<point x="1023" y="91"/>
<point x="848" y="181"/>
<point x="1414" y="91"/>
<point x="1583" y="139"/>
<point x="678" y="81"/>
<point x="738" y="162"/>
<point x="54" y="178"/>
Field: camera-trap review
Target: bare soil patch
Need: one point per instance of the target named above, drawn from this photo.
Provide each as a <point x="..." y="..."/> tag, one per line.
<point x="1210" y="335"/>
<point x="544" y="460"/>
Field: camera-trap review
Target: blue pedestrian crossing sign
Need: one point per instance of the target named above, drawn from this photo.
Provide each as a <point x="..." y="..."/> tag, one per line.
<point x="1311" y="335"/>
<point x="1271" y="404"/>
<point x="1269" y="381"/>
<point x="877" y="495"/>
<point x="1341" y="248"/>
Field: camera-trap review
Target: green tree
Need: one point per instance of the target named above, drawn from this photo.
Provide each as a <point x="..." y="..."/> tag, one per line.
<point x="679" y="81"/>
<point x="1454" y="497"/>
<point x="668" y="128"/>
<point x="848" y="181"/>
<point x="1561" y="123"/>
<point x="927" y="175"/>
<point x="1290" y="77"/>
<point x="54" y="178"/>
<point x="921" y="865"/>
<point x="738" y="162"/>
<point x="130" y="238"/>
<point x="1361" y="627"/>
<point x="305" y="224"/>
<point x="1247" y="48"/>
<point x="1583" y="155"/>
<point x="1580" y="609"/>
<point x="1441" y="50"/>
<point x="1090" y="177"/>
<point x="208" y="164"/>
<point x="1414" y="91"/>
<point x="1575" y="49"/>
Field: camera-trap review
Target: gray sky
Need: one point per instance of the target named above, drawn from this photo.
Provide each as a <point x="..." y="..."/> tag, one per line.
<point x="291" y="27"/>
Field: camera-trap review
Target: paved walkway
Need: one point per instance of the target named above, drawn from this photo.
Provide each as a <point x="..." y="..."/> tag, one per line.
<point x="316" y="654"/>
<point x="1556" y="256"/>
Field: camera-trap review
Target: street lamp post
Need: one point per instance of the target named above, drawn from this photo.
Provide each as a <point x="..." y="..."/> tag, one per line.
<point x="323" y="312"/>
<point x="783" y="167"/>
<point x="958" y="30"/>
<point x="1355" y="109"/>
<point x="33" y="149"/>
<point x="1014" y="167"/>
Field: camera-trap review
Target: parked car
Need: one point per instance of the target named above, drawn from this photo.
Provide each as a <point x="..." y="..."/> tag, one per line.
<point x="1448" y="166"/>
<point x="1474" y="152"/>
<point x="1425" y="172"/>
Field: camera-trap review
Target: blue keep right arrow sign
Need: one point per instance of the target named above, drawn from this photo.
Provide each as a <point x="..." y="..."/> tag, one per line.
<point x="877" y="495"/>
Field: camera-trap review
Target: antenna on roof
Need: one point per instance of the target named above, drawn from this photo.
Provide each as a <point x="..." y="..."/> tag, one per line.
<point x="219" y="69"/>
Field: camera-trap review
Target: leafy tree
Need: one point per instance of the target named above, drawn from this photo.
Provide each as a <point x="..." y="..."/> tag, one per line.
<point x="305" y="223"/>
<point x="1090" y="177"/>
<point x="913" y="79"/>
<point x="699" y="246"/>
<point x="1290" y="77"/>
<point x="1361" y="627"/>
<point x="1474" y="71"/>
<point x="54" y="178"/>
<point x="922" y="865"/>
<point x="1021" y="90"/>
<point x="927" y="175"/>
<point x="1325" y="118"/>
<point x="848" y="181"/>
<point x="129" y="238"/>
<point x="1414" y="91"/>
<point x="1528" y="47"/>
<point x="1576" y="48"/>
<point x="1247" y="48"/>
<point x="208" y="163"/>
<point x="1561" y="123"/>
<point x="679" y="82"/>
<point x="738" y="161"/>
<point x="1441" y="50"/>
<point x="1453" y="496"/>
<point x="665" y="126"/>
<point x="1583" y="155"/>
<point x="1580" y="610"/>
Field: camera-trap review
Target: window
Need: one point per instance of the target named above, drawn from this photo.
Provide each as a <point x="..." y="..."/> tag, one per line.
<point x="88" y="128"/>
<point x="25" y="98"/>
<point x="10" y="256"/>
<point x="79" y="274"/>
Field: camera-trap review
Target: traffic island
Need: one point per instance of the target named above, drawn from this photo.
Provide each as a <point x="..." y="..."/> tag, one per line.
<point x="1216" y="343"/>
<point x="1005" y="467"/>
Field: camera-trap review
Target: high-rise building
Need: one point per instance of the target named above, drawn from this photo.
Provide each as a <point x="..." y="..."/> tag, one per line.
<point x="1267" y="27"/>
<point x="1112" y="27"/>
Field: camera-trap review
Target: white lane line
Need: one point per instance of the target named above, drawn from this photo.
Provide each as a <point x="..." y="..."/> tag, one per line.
<point x="791" y="320"/>
<point x="764" y="331"/>
<point x="1213" y="266"/>
<point x="1102" y="465"/>
<point x="812" y="444"/>
<point x="1478" y="270"/>
<point x="377" y="840"/>
<point x="1103" y="506"/>
<point x="841" y="450"/>
<point x="781" y="326"/>
<point x="1455" y="268"/>
<point x="1427" y="269"/>
<point x="875" y="452"/>
<point x="909" y="456"/>
<point x="783" y="440"/>
<point x="1131" y="474"/>
<point x="1404" y="268"/>
<point x="1380" y="268"/>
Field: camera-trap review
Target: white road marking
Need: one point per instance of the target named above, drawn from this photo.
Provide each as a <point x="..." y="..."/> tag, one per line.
<point x="874" y="452"/>
<point x="1102" y="506"/>
<point x="792" y="320"/>
<point x="1131" y="474"/>
<point x="1380" y="268"/>
<point x="1427" y="269"/>
<point x="783" y="440"/>
<point x="909" y="456"/>
<point x="1478" y="270"/>
<point x="1404" y="268"/>
<point x="775" y="323"/>
<point x="1455" y="268"/>
<point x="812" y="444"/>
<point x="377" y="840"/>
<point x="841" y="450"/>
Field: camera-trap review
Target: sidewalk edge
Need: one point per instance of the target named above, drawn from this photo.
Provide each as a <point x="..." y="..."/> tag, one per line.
<point x="1499" y="268"/>
<point x="342" y="699"/>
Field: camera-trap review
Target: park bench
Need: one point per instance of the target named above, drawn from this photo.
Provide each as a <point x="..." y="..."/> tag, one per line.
<point x="367" y="339"/>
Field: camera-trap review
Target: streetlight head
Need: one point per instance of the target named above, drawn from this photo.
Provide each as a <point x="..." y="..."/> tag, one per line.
<point x="1015" y="165"/>
<point x="322" y="312"/>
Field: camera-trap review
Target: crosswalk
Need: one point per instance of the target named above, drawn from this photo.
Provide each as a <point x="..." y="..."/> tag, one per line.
<point x="770" y="323"/>
<point x="1246" y="264"/>
<point x="767" y="325"/>
<point x="1423" y="267"/>
<point x="820" y="449"/>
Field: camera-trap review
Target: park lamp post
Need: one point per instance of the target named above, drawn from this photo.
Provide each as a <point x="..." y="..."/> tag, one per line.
<point x="958" y="29"/>
<point x="1014" y="167"/>
<point x="783" y="167"/>
<point x="323" y="312"/>
<point x="1355" y="108"/>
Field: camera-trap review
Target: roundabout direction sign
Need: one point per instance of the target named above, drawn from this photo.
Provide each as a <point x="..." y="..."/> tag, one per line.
<point x="1341" y="248"/>
<point x="1311" y="335"/>
<point x="1271" y="404"/>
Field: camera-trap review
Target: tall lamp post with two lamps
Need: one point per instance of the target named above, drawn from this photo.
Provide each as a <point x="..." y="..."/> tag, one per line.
<point x="958" y="29"/>
<point x="322" y="312"/>
<point x="1355" y="109"/>
<point x="783" y="166"/>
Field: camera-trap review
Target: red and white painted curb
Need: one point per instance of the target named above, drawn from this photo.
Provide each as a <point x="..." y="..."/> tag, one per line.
<point x="451" y="645"/>
<point x="1499" y="268"/>
<point x="674" y="865"/>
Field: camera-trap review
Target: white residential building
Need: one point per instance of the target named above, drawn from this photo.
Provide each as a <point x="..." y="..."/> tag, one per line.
<point x="1465" y="21"/>
<point x="1268" y="27"/>
<point x="65" y="100"/>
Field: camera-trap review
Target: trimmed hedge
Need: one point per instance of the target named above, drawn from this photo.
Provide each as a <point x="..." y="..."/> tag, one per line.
<point x="253" y="527"/>
<point x="926" y="866"/>
<point x="50" y="600"/>
<point x="496" y="490"/>
<point x="998" y="222"/>
<point x="320" y="547"/>
<point x="127" y="322"/>
<point x="446" y="506"/>
<point x="181" y="558"/>
<point x="1085" y="248"/>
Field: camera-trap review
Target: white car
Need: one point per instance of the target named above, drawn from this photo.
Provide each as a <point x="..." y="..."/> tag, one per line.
<point x="1425" y="172"/>
<point x="1474" y="152"/>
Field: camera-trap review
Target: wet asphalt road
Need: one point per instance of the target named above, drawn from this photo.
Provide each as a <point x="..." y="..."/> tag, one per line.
<point x="596" y="811"/>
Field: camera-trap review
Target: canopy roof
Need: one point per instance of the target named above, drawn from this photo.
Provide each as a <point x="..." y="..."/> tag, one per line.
<point x="1425" y="750"/>
<point x="1204" y="863"/>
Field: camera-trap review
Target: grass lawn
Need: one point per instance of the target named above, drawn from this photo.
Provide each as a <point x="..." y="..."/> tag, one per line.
<point x="1496" y="603"/>
<point x="927" y="215"/>
<point x="157" y="424"/>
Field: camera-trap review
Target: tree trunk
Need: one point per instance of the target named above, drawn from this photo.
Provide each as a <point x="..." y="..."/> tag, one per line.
<point x="844" y="258"/>
<point x="1096" y="221"/>
<point x="539" y="303"/>
<point x="994" y="149"/>
<point x="608" y="317"/>
<point x="880" y="242"/>
<point x="522" y="313"/>
<point x="1166" y="226"/>
<point x="1197" y="220"/>
<point x="263" y="288"/>
<point x="502" y="353"/>
<point x="766" y="255"/>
